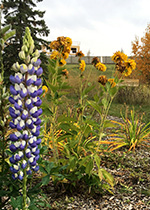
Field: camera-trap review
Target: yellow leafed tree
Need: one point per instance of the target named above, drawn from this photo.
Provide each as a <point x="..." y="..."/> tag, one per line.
<point x="141" y="55"/>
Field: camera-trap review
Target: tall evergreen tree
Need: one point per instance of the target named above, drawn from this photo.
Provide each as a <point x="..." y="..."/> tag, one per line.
<point x="21" y="14"/>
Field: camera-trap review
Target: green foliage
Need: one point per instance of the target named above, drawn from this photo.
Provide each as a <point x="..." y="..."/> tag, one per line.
<point x="131" y="133"/>
<point x="72" y="137"/>
<point x="5" y="34"/>
<point x="134" y="95"/>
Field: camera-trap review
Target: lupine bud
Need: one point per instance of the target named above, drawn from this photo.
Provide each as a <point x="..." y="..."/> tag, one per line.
<point x="24" y="48"/>
<point x="22" y="55"/>
<point x="16" y="66"/>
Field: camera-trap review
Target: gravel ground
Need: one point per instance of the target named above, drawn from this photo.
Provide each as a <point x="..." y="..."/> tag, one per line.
<point x="131" y="191"/>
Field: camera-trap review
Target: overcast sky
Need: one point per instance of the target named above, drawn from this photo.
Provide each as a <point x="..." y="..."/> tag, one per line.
<point x="101" y="26"/>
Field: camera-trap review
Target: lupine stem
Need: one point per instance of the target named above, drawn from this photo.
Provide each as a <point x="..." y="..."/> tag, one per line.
<point x="24" y="190"/>
<point x="24" y="186"/>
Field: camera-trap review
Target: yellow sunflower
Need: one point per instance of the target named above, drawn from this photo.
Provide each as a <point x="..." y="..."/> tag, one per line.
<point x="102" y="79"/>
<point x="100" y="66"/>
<point x="119" y="56"/>
<point x="127" y="72"/>
<point x="54" y="55"/>
<point x="82" y="65"/>
<point x="45" y="89"/>
<point x="65" y="72"/>
<point x="69" y="41"/>
<point x="111" y="81"/>
<point x="62" y="62"/>
<point x="65" y="55"/>
<point x="80" y="54"/>
<point x="130" y="64"/>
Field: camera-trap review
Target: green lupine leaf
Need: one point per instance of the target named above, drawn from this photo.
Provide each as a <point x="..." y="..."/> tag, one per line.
<point x="5" y="29"/>
<point x="9" y="35"/>
<point x="2" y="42"/>
<point x="46" y="180"/>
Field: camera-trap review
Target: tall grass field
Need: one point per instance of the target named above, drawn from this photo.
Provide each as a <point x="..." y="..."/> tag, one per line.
<point x="139" y="97"/>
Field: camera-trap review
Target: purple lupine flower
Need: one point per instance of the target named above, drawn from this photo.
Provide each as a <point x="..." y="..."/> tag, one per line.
<point x="22" y="145"/>
<point x="39" y="71"/>
<point x="35" y="168"/>
<point x="38" y="82"/>
<point x="11" y="100"/>
<point x="36" y="63"/>
<point x="20" y="175"/>
<point x="25" y="114"/>
<point x="24" y="164"/>
<point x="31" y="69"/>
<point x="13" y="90"/>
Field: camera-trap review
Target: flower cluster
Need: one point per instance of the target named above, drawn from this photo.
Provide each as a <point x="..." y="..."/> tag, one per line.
<point x="103" y="80"/>
<point x="25" y="111"/>
<point x="61" y="47"/>
<point x="119" y="56"/>
<point x="82" y="65"/>
<point x="123" y="64"/>
<point x="81" y="62"/>
<point x="65" y="73"/>
<point x="98" y="65"/>
<point x="80" y="54"/>
<point x="112" y="82"/>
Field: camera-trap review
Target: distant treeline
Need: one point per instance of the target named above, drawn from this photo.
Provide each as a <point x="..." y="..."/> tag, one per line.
<point x="88" y="59"/>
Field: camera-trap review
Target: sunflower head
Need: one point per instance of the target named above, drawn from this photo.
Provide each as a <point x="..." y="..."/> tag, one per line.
<point x="119" y="56"/>
<point x="62" y="62"/>
<point x="82" y="65"/>
<point x="102" y="80"/>
<point x="95" y="60"/>
<point x="111" y="81"/>
<point x="100" y="66"/>
<point x="45" y="89"/>
<point x="79" y="54"/>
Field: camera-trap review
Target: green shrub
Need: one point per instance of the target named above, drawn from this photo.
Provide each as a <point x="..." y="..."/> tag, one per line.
<point x="134" y="95"/>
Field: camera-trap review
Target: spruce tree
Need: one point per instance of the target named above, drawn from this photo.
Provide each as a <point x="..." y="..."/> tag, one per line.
<point x="21" y="14"/>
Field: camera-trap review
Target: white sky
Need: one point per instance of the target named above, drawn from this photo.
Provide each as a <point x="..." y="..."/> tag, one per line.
<point x="101" y="26"/>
